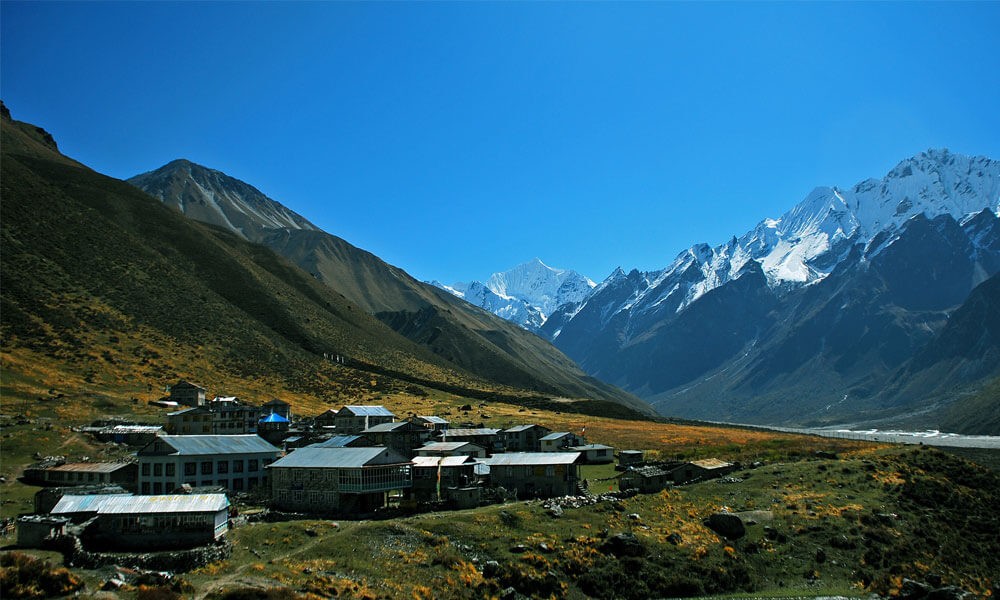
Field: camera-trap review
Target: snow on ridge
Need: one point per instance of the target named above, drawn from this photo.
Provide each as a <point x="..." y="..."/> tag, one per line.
<point x="933" y="183"/>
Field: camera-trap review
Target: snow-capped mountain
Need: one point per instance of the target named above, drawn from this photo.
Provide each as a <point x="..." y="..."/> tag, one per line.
<point x="805" y="244"/>
<point x="824" y="303"/>
<point x="526" y="294"/>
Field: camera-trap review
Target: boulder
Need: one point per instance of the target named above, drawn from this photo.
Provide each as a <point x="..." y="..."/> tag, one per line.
<point x="623" y="544"/>
<point x="727" y="525"/>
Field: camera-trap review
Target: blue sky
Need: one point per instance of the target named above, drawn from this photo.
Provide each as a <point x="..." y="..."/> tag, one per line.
<point x="458" y="139"/>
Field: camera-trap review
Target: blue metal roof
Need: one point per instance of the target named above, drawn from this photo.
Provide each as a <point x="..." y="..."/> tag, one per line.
<point x="218" y="444"/>
<point x="274" y="418"/>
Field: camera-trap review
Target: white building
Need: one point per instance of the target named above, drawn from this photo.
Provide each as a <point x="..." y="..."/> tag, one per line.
<point x="235" y="462"/>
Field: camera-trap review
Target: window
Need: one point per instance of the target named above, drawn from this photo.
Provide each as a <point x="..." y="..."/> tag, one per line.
<point x="158" y="470"/>
<point x="170" y="469"/>
<point x="206" y="467"/>
<point x="190" y="468"/>
<point x="222" y="466"/>
<point x="145" y="469"/>
<point x="157" y="488"/>
<point x="252" y="465"/>
<point x="237" y="484"/>
<point x="237" y="466"/>
<point x="145" y="487"/>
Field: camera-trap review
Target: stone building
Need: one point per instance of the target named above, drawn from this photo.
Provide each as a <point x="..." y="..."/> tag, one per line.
<point x="84" y="473"/>
<point x="150" y="522"/>
<point x="338" y="480"/>
<point x="439" y="478"/>
<point x="355" y="419"/>
<point x="403" y="436"/>
<point x="187" y="394"/>
<point x="535" y="474"/>
<point x="558" y="441"/>
<point x="525" y="438"/>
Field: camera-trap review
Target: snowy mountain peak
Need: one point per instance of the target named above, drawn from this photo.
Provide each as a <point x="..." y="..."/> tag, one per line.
<point x="933" y="183"/>
<point x="526" y="294"/>
<point x="806" y="243"/>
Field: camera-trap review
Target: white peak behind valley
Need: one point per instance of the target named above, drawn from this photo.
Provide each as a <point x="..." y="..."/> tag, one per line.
<point x="526" y="294"/>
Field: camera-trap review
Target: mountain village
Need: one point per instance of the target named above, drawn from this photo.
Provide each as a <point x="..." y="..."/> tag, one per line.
<point x="183" y="481"/>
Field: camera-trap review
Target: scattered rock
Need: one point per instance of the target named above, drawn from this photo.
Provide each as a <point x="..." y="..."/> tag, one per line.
<point x="820" y="555"/>
<point x="843" y="542"/>
<point x="633" y="516"/>
<point x="729" y="480"/>
<point x="950" y="592"/>
<point x="545" y="548"/>
<point x="727" y="525"/>
<point x="675" y="538"/>
<point x="825" y="454"/>
<point x="519" y="549"/>
<point x="913" y="590"/>
<point x="555" y="511"/>
<point x="311" y="532"/>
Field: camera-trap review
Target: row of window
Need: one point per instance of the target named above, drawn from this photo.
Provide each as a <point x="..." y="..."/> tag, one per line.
<point x="73" y="476"/>
<point x="237" y="485"/>
<point x="205" y="467"/>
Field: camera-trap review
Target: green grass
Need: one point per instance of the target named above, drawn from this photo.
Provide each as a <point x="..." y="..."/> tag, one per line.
<point x="839" y="506"/>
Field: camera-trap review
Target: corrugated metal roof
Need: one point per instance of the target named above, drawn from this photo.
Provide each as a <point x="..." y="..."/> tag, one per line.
<point x="90" y="467"/>
<point x="178" y="503"/>
<point x="555" y="435"/>
<point x="82" y="504"/>
<point x="470" y="432"/>
<point x="433" y="419"/>
<point x="424" y="462"/>
<point x="519" y="428"/>
<point x="185" y="410"/>
<point x="387" y="427"/>
<point x="337" y="441"/>
<point x="531" y="458"/>
<point x="446" y="446"/>
<point x="218" y="444"/>
<point x="339" y="458"/>
<point x="586" y="447"/>
<point x="132" y="429"/>
<point x="368" y="411"/>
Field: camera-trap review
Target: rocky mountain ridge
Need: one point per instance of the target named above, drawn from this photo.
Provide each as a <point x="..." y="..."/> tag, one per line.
<point x="816" y="309"/>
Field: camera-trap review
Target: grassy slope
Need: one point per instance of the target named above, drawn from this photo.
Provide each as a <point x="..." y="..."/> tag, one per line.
<point x="107" y="290"/>
<point x="467" y="337"/>
<point x="946" y="513"/>
<point x="850" y="526"/>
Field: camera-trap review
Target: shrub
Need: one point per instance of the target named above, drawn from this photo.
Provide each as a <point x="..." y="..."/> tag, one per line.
<point x="24" y="576"/>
